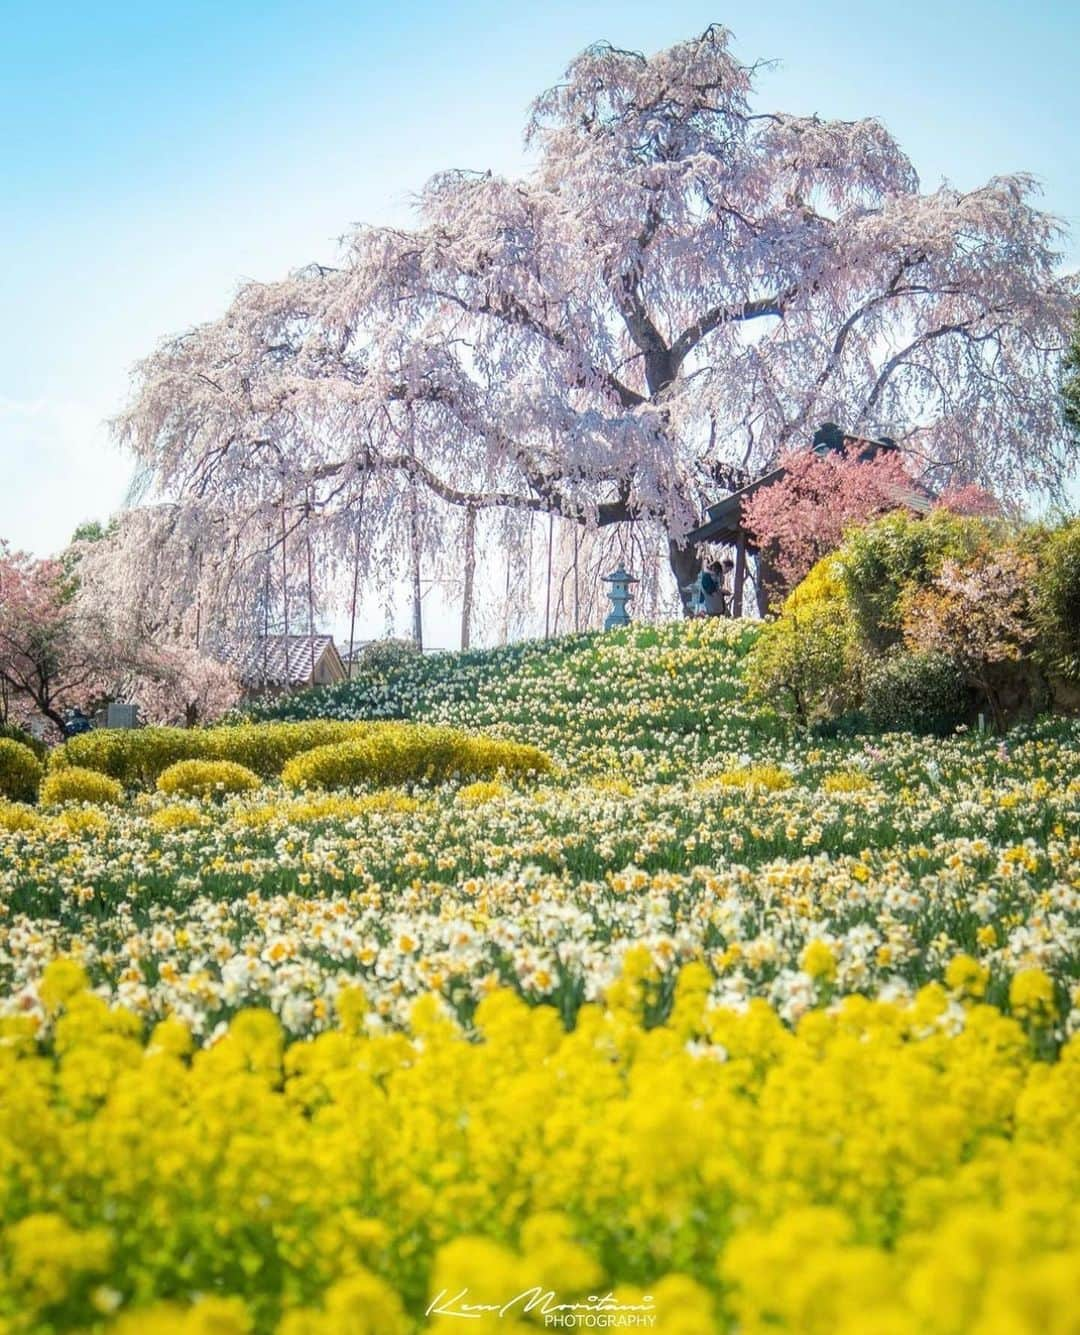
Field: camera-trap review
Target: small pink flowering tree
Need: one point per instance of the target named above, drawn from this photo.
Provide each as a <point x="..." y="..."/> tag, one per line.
<point x="53" y="654"/>
<point x="802" y="517"/>
<point x="178" y="684"/>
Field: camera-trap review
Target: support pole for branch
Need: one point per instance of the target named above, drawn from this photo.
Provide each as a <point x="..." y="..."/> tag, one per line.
<point x="355" y="579"/>
<point x="547" y="605"/>
<point x="284" y="581"/>
<point x="470" y="570"/>
<point x="266" y="611"/>
<point x="310" y="584"/>
<point x="506" y="600"/>
<point x="577" y="586"/>
<point x="414" y="542"/>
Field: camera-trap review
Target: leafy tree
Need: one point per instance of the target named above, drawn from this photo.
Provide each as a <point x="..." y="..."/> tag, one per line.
<point x="684" y="283"/>
<point x="883" y="562"/>
<point x="53" y="653"/>
<point x="1057" y="599"/>
<point x="980" y="615"/>
<point x="805" y="664"/>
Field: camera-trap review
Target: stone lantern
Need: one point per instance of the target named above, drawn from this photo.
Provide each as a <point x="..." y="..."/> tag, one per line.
<point x="619" y="593"/>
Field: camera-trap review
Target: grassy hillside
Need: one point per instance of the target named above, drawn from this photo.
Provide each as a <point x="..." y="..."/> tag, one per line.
<point x="663" y="699"/>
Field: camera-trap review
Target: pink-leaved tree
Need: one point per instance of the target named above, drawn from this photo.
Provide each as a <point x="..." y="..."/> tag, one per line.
<point x="684" y="283"/>
<point x="802" y="516"/>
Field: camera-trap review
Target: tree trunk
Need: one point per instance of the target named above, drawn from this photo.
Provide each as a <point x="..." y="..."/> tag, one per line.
<point x="685" y="566"/>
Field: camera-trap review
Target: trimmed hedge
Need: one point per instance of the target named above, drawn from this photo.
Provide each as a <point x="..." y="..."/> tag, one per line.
<point x="207" y="778"/>
<point x="139" y="756"/>
<point x="76" y="784"/>
<point x="398" y="753"/>
<point x="20" y="771"/>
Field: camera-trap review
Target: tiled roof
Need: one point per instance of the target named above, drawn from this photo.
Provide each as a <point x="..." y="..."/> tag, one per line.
<point x="278" y="660"/>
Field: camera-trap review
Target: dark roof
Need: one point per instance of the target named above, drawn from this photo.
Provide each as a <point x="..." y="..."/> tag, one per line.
<point x="724" y="523"/>
<point x="279" y="661"/>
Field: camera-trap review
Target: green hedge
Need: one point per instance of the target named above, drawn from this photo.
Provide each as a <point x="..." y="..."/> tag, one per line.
<point x="404" y="753"/>
<point x="74" y="783"/>
<point x="207" y="778"/>
<point x="138" y="756"/>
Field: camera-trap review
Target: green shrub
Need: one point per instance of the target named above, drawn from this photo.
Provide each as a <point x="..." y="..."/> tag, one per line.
<point x="207" y="778"/>
<point x="17" y="734"/>
<point x="922" y="693"/>
<point x="1057" y="601"/>
<point x="138" y="756"/>
<point x="20" y="771"/>
<point x="397" y="753"/>
<point x="803" y="663"/>
<point x="881" y="562"/>
<point x="76" y="784"/>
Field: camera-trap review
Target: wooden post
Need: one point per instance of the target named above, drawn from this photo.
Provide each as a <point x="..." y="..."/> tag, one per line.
<point x="763" y="574"/>
<point x="739" y="579"/>
<point x="470" y="570"/>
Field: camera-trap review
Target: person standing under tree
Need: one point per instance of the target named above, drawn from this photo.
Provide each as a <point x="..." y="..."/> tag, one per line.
<point x="714" y="603"/>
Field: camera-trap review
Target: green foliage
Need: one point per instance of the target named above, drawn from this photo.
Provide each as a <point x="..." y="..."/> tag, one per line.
<point x="923" y="693"/>
<point x="804" y="663"/>
<point x="137" y="756"/>
<point x="76" y="784"/>
<point x="882" y="562"/>
<point x="20" y="771"/>
<point x="1057" y="600"/>
<point x="396" y="753"/>
<point x="207" y="778"/>
<point x="17" y="734"/>
<point x="382" y="656"/>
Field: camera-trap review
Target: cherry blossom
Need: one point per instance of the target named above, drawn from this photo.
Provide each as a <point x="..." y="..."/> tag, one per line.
<point x="683" y="284"/>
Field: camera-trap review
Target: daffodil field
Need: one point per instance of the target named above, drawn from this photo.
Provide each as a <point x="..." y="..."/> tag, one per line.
<point x="712" y="1027"/>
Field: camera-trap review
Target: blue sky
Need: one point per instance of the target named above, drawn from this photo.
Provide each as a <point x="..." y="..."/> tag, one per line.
<point x="154" y="155"/>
